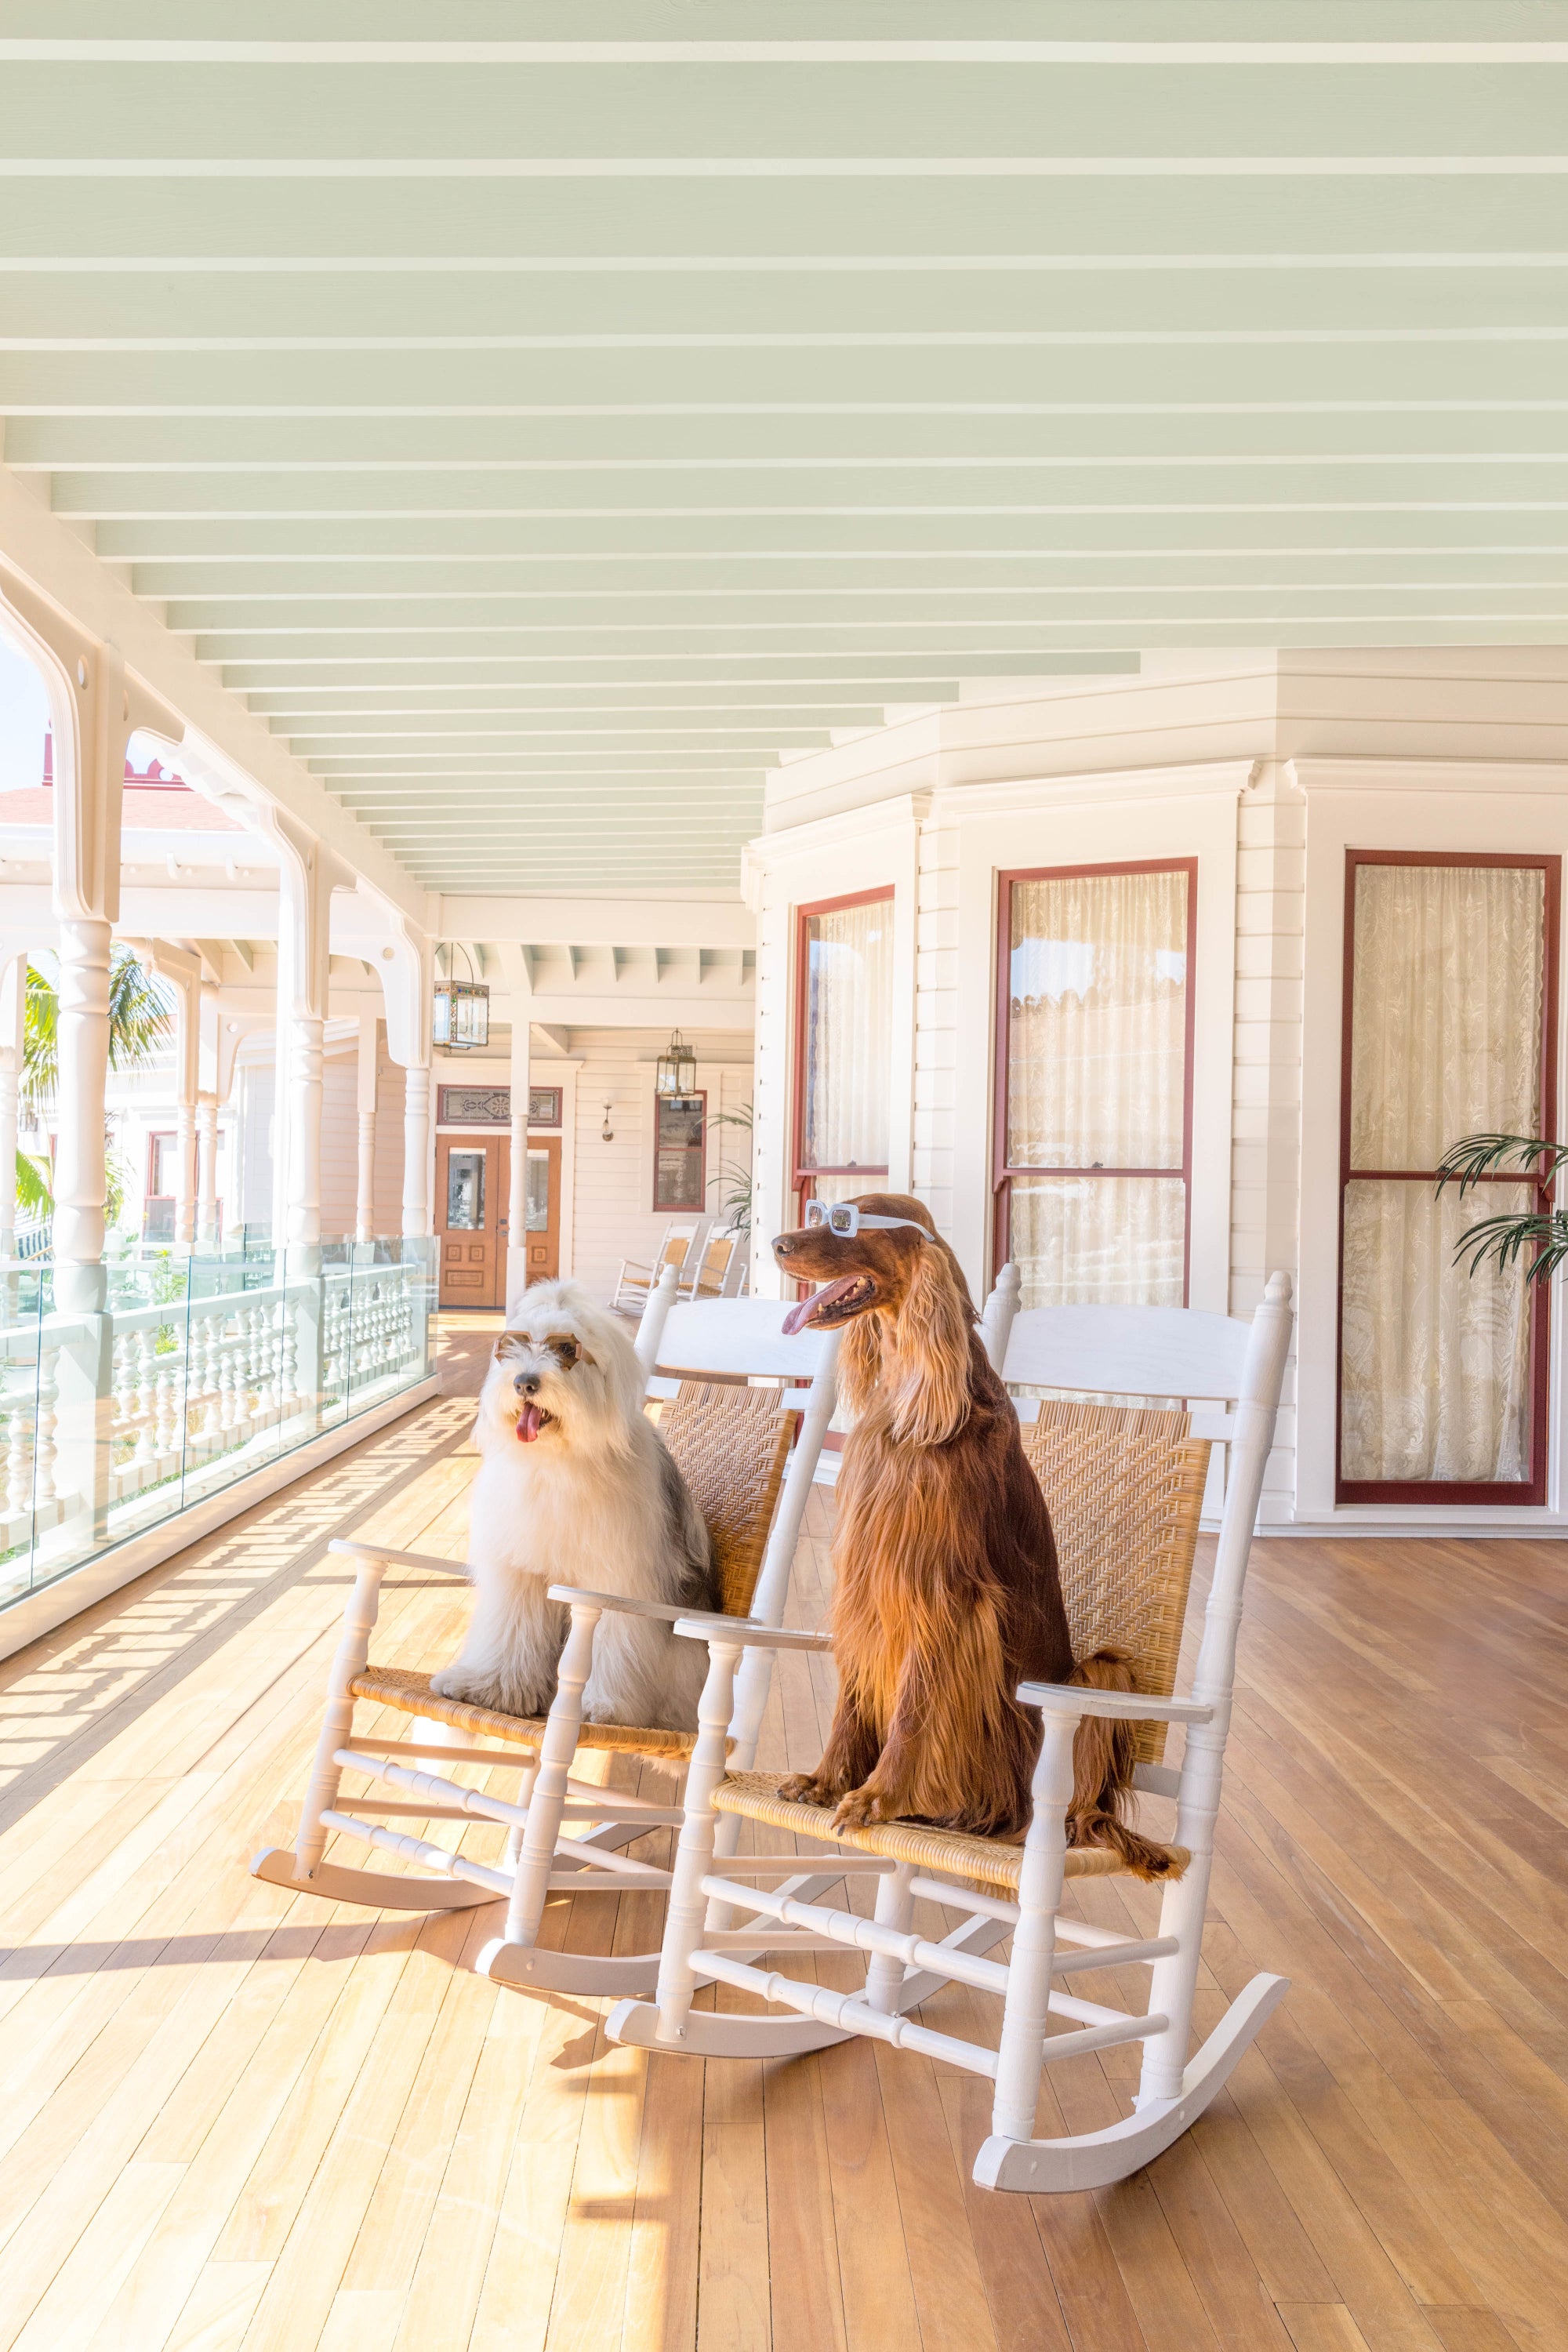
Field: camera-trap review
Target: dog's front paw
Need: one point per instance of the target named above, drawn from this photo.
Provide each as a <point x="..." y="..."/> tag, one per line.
<point x="806" y="1789"/>
<point x="489" y="1690"/>
<point x="861" y="1808"/>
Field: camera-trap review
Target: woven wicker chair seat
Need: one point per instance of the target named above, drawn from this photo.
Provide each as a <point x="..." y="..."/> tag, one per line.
<point x="411" y="1693"/>
<point x="732" y="1444"/>
<point x="756" y="1796"/>
<point x="1124" y="1487"/>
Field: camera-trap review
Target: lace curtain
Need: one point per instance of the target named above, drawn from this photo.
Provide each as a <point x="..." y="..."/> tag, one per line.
<point x="1448" y="978"/>
<point x="1097" y="1077"/>
<point x="847" y="1046"/>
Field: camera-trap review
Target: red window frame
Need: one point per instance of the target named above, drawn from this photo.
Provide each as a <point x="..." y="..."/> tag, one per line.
<point x="1002" y="1171"/>
<point x="803" y="1180"/>
<point x="683" y="1208"/>
<point x="1518" y="1493"/>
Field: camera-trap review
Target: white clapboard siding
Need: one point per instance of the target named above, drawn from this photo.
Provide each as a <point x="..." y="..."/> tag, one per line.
<point x="614" y="1217"/>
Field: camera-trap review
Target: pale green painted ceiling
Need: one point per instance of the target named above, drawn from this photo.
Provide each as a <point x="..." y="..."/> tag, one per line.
<point x="546" y="415"/>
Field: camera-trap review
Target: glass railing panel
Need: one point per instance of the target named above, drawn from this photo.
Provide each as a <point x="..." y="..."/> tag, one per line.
<point x="193" y="1373"/>
<point x="142" y="1419"/>
<point x="21" y="1307"/>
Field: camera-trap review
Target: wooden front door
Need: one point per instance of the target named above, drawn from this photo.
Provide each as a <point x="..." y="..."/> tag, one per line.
<point x="544" y="1208"/>
<point x="472" y="1175"/>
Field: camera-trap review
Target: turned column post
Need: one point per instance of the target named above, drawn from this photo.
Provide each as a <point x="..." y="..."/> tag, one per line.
<point x="205" y="1172"/>
<point x="207" y="1097"/>
<point x="364" y="1191"/>
<point x="91" y="727"/>
<point x="407" y="965"/>
<point x="306" y="875"/>
<point x="517" y="1191"/>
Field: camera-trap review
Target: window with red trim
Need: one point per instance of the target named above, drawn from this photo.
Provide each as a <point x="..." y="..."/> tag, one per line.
<point x="844" y="1040"/>
<point x="1449" y="1029"/>
<point x="1092" y="1151"/>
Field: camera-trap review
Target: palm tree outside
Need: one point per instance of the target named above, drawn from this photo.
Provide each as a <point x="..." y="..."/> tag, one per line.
<point x="138" y="1020"/>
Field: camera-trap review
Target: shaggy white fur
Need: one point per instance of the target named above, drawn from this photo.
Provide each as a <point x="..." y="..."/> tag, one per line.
<point x="575" y="1487"/>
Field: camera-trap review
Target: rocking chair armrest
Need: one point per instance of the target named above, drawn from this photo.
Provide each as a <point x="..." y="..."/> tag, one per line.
<point x="390" y="1559"/>
<point x="1119" y="1707"/>
<point x="698" y="1628"/>
<point x="582" y="1597"/>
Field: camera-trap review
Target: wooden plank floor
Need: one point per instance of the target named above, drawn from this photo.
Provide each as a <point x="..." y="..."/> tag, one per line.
<point x="231" y="2117"/>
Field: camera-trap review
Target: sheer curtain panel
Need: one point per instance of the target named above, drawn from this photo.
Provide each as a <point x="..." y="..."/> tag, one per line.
<point x="1448" y="970"/>
<point x="845" y="1048"/>
<point x="1097" y="1083"/>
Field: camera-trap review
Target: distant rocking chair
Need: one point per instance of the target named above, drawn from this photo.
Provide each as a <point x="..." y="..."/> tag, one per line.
<point x="731" y="1441"/>
<point x="1124" y="1488"/>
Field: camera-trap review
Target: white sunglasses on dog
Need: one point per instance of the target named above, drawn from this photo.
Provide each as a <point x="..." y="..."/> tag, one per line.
<point x="844" y="1218"/>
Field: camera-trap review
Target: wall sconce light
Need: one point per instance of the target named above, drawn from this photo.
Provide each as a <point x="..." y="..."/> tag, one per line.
<point x="608" y="1132"/>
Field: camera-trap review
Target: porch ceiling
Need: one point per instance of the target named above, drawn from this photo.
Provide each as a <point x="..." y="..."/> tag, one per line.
<point x="546" y="432"/>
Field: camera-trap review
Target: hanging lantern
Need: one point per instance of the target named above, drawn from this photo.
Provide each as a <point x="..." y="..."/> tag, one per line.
<point x="675" y="1072"/>
<point x="462" y="1016"/>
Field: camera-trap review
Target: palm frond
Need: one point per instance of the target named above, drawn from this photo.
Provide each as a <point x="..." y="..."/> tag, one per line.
<point x="40" y="1041"/>
<point x="35" y="1196"/>
<point x="140" y="1017"/>
<point x="1505" y="1239"/>
<point x="1475" y="1156"/>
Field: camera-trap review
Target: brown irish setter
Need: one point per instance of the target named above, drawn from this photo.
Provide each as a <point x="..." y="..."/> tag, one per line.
<point x="946" y="1593"/>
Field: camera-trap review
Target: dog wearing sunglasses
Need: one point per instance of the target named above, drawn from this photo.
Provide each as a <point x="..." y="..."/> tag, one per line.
<point x="575" y="1487"/>
<point x="946" y="1592"/>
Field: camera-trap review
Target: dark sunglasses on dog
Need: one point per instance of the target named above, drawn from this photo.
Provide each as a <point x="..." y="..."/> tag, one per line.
<point x="844" y="1218"/>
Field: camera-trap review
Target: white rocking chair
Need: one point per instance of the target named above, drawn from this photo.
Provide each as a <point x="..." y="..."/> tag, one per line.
<point x="1164" y="1351"/>
<point x="565" y="1833"/>
<point x="680" y="1246"/>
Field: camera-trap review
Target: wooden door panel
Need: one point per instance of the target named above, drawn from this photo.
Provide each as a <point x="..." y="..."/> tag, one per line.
<point x="545" y="1239"/>
<point x="471" y="1177"/>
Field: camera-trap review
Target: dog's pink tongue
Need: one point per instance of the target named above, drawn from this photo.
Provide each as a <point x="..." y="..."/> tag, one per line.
<point x="799" y="1316"/>
<point x="528" y="1423"/>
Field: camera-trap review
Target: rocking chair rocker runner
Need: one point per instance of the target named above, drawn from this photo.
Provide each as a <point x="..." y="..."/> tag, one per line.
<point x="1005" y="1887"/>
<point x="732" y="1441"/>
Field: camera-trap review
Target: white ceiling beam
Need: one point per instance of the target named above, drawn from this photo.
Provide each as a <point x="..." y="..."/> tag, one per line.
<point x="612" y="920"/>
<point x="632" y="1009"/>
<point x="49" y="555"/>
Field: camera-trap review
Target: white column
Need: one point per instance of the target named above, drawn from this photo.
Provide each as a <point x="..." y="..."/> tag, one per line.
<point x="81" y="1182"/>
<point x="518" y="967"/>
<point x="90" y="708"/>
<point x="12" y="1015"/>
<point x="364" y="1196"/>
<point x="208" y="1056"/>
<point x="407" y="966"/>
<point x="306" y="874"/>
<point x="517" y="1198"/>
<point x="206" y="1171"/>
<point x="416" y="1151"/>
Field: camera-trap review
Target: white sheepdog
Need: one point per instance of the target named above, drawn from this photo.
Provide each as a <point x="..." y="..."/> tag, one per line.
<point x="575" y="1487"/>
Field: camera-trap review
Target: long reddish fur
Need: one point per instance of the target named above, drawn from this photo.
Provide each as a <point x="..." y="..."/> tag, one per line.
<point x="946" y="1590"/>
